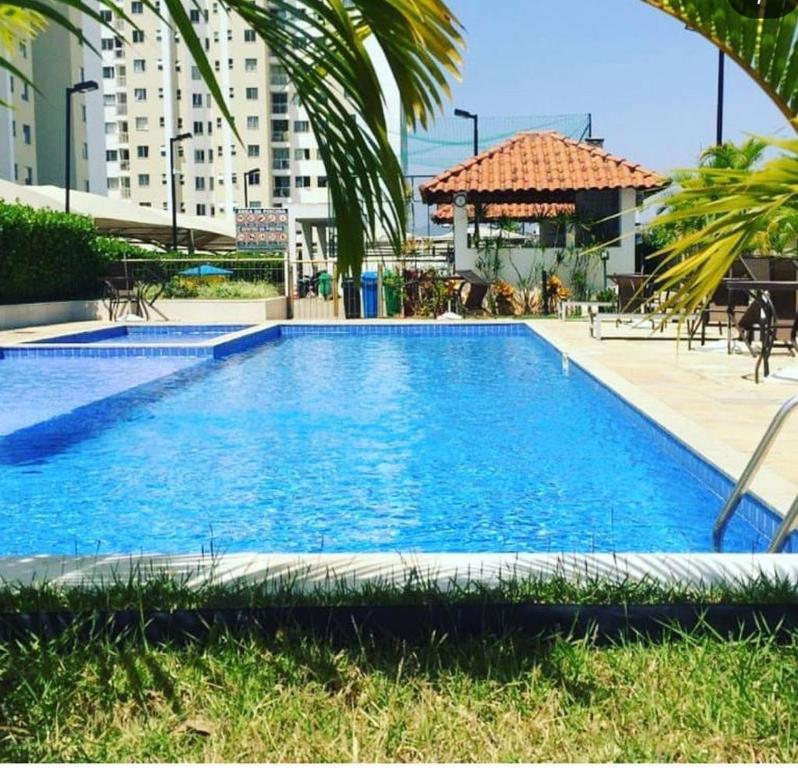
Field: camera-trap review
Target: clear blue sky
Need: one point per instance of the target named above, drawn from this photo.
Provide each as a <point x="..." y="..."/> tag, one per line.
<point x="649" y="83"/>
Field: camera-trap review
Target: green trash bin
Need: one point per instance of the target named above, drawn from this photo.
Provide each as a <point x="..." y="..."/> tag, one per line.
<point x="392" y="288"/>
<point x="325" y="284"/>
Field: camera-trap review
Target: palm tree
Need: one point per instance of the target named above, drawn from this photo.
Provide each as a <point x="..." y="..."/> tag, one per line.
<point x="322" y="44"/>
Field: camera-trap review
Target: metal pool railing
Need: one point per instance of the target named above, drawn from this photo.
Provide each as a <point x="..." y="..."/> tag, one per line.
<point x="178" y="274"/>
<point x="744" y="483"/>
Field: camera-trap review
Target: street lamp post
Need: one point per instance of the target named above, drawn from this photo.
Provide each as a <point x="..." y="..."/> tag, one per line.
<point x="472" y="116"/>
<point x="83" y="87"/>
<point x="721" y="67"/>
<point x="172" y="141"/>
<point x="247" y="175"/>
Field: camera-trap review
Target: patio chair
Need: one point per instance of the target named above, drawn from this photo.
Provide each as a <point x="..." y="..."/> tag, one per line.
<point x="471" y="301"/>
<point x="119" y="289"/>
<point x="633" y="295"/>
<point x="716" y="310"/>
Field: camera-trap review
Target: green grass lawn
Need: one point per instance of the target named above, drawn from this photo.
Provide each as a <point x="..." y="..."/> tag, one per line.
<point x="290" y="698"/>
<point x="295" y="697"/>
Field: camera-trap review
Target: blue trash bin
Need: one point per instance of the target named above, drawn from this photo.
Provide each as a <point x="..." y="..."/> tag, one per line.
<point x="368" y="281"/>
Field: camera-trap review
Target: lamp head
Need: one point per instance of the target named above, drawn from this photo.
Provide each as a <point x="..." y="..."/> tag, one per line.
<point x="464" y="113"/>
<point x="84" y="87"/>
<point x="181" y="136"/>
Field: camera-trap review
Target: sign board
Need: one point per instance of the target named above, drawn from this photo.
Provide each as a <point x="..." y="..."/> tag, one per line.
<point x="261" y="229"/>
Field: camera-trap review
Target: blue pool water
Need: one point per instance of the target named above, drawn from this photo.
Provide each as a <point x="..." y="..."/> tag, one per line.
<point x="146" y="334"/>
<point x="362" y="442"/>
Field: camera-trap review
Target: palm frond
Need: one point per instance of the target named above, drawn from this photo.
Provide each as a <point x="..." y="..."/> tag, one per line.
<point x="738" y="208"/>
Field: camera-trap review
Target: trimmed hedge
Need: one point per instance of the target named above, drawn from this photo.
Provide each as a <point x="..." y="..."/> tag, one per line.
<point x="46" y="256"/>
<point x="50" y="256"/>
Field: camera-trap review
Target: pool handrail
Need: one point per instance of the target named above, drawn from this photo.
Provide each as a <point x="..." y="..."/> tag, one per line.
<point x="744" y="483"/>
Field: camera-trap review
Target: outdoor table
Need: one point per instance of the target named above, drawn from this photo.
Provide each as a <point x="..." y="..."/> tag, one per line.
<point x="759" y="291"/>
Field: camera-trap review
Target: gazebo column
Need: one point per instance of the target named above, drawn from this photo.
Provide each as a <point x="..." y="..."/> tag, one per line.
<point x="464" y="257"/>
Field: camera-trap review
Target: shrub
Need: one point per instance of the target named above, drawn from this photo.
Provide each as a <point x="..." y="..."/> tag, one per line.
<point x="46" y="255"/>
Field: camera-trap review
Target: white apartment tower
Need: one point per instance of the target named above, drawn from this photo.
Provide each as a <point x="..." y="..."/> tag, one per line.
<point x="32" y="130"/>
<point x="153" y="92"/>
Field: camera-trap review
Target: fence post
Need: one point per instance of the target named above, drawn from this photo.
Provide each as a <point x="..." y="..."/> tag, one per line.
<point x="545" y="292"/>
<point x="380" y="302"/>
<point x="289" y="289"/>
<point x="336" y="302"/>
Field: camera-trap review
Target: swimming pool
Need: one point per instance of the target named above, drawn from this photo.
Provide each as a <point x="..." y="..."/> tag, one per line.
<point x="428" y="438"/>
<point x="146" y="334"/>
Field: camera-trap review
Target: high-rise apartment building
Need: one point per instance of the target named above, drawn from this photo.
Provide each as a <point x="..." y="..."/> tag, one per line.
<point x="152" y="92"/>
<point x="32" y="131"/>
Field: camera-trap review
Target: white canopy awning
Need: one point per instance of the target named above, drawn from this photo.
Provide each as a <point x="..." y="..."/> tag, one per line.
<point x="126" y="219"/>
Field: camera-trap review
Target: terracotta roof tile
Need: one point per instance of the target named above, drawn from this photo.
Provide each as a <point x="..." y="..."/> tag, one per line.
<point x="516" y="211"/>
<point x="543" y="166"/>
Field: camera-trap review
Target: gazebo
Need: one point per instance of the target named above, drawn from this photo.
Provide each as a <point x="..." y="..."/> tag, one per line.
<point x="541" y="175"/>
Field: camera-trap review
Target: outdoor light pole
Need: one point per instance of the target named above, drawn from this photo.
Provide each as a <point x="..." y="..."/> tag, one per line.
<point x="247" y="174"/>
<point x="472" y="116"/>
<point x="172" y="141"/>
<point x="84" y="87"/>
<point x="721" y="67"/>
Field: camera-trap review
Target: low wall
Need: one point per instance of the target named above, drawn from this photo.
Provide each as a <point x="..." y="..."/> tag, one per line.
<point x="221" y="310"/>
<point x="49" y="313"/>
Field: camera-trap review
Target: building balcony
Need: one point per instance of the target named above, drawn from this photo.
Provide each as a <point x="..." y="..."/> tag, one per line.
<point x="121" y="109"/>
<point x="124" y="138"/>
<point x="280" y="136"/>
<point x="281" y="193"/>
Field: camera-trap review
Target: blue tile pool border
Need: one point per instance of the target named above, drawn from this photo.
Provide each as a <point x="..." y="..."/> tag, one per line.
<point x="115" y="331"/>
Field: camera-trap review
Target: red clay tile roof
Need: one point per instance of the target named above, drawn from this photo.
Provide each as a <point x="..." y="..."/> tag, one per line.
<point x="538" y="167"/>
<point x="517" y="211"/>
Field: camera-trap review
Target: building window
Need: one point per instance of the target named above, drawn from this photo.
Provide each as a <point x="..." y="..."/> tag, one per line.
<point x="195" y="73"/>
<point x="252" y="94"/>
<point x="194" y="15"/>
<point x="111" y="155"/>
<point x="113" y="182"/>
<point x="254" y="180"/>
<point x="278" y="75"/>
<point x="110" y="128"/>
<point x="14" y="129"/>
<point x="137" y="7"/>
<point x="142" y="123"/>
<point x="23" y="49"/>
<point x="253" y="150"/>
<point x="196" y="100"/>
<point x="83" y="113"/>
<point x="250" y="65"/>
<point x="199" y="183"/>
<point x="281" y="160"/>
<point x="201" y="209"/>
<point x="16" y="172"/>
<point x="282" y="187"/>
<point x="144" y="179"/>
<point x="301" y="154"/>
<point x="105" y="16"/>
<point x="84" y="151"/>
<point x="26" y="133"/>
<point x="28" y="175"/>
<point x="107" y="44"/>
<point x="302" y="182"/>
<point x="301" y="126"/>
<point x="138" y="35"/>
<point x="279" y="130"/>
<point x="229" y="63"/>
<point x="143" y="151"/>
<point x="280" y="103"/>
<point x="322" y="181"/>
<point x="199" y="128"/>
<point x="139" y="65"/>
<point x="109" y="99"/>
<point x="249" y="35"/>
<point x="231" y="92"/>
<point x="199" y="155"/>
<point x="140" y="94"/>
<point x="108" y="73"/>
<point x="253" y="122"/>
<point x="24" y="92"/>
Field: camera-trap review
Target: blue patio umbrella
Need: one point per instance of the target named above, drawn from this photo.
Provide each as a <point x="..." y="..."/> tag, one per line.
<point x="206" y="270"/>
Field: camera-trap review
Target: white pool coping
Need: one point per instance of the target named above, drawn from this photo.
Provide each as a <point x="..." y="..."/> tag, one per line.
<point x="445" y="570"/>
